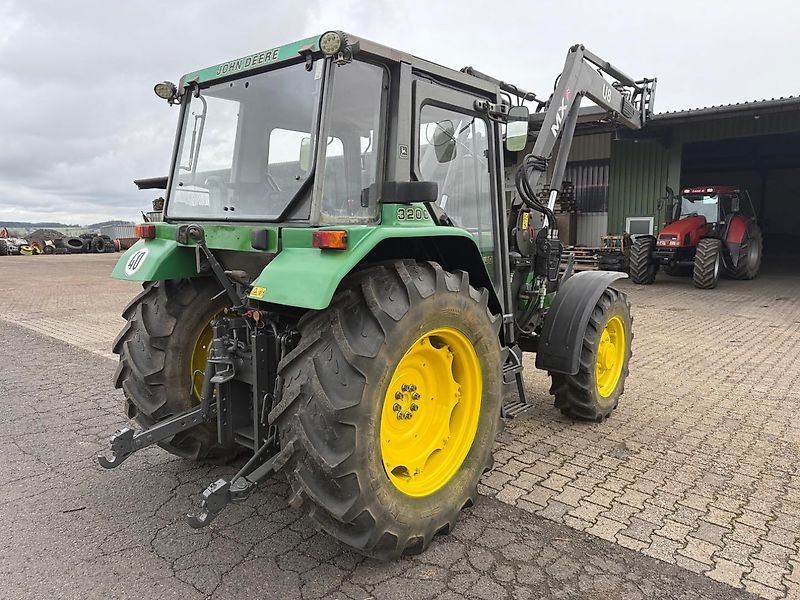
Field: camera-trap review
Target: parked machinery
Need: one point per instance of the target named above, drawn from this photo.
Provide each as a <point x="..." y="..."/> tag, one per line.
<point x="709" y="229"/>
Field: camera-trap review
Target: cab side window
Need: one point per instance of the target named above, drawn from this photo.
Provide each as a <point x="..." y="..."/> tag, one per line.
<point x="454" y="152"/>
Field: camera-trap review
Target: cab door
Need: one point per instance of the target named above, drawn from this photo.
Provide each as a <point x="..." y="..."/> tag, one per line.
<point x="455" y="146"/>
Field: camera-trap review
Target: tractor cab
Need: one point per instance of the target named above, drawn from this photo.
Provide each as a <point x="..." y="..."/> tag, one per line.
<point x="717" y="204"/>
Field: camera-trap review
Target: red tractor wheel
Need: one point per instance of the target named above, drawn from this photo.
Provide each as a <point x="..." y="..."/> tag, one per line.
<point x="707" y="263"/>
<point x="750" y="253"/>
<point x="642" y="267"/>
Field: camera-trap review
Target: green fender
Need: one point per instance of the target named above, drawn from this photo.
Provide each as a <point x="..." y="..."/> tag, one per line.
<point x="156" y="260"/>
<point x="307" y="277"/>
<point x="165" y="258"/>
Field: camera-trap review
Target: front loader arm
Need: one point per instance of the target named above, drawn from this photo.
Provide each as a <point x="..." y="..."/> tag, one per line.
<point x="625" y="101"/>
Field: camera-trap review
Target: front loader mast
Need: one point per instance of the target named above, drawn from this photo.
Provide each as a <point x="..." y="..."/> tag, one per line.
<point x="624" y="101"/>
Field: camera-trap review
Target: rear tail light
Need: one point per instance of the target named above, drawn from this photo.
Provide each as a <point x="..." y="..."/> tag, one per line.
<point x="329" y="239"/>
<point x="145" y="231"/>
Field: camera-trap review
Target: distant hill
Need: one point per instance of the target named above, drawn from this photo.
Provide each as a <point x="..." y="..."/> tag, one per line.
<point x="108" y="223"/>
<point x="28" y="225"/>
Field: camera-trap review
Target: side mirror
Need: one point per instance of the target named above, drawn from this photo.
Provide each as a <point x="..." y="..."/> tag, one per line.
<point x="305" y="154"/>
<point x="517" y="129"/>
<point x="444" y="141"/>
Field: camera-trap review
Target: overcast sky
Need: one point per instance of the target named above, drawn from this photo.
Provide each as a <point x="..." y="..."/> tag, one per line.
<point x="79" y="120"/>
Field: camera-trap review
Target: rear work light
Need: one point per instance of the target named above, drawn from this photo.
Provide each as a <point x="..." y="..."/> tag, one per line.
<point x="329" y="239"/>
<point x="145" y="231"/>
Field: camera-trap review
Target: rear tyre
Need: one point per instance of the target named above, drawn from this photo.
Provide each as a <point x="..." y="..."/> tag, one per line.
<point x="165" y="323"/>
<point x="707" y="263"/>
<point x="642" y="267"/>
<point x="49" y="250"/>
<point x="594" y="391"/>
<point x="378" y="468"/>
<point x="750" y="254"/>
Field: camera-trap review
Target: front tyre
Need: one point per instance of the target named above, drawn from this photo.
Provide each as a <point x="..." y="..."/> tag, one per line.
<point x="707" y="263"/>
<point x="391" y="404"/>
<point x="642" y="267"/>
<point x="594" y="391"/>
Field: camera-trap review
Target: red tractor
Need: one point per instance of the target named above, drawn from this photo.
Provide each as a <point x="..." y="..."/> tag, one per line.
<point x="711" y="228"/>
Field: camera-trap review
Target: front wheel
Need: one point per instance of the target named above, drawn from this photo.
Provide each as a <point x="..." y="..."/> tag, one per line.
<point x="594" y="391"/>
<point x="707" y="263"/>
<point x="642" y="267"/>
<point x="393" y="400"/>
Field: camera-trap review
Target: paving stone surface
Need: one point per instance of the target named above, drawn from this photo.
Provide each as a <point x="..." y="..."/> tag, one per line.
<point x="73" y="530"/>
<point x="696" y="472"/>
<point x="698" y="466"/>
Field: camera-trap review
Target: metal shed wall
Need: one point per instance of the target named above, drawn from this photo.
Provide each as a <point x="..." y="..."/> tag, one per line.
<point x="641" y="169"/>
<point x="590" y="147"/>
<point x="640" y="172"/>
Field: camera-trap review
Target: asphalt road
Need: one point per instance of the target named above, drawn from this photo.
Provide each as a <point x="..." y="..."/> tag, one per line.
<point x="74" y="530"/>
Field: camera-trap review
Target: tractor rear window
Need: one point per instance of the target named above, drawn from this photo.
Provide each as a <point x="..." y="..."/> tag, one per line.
<point x="246" y="147"/>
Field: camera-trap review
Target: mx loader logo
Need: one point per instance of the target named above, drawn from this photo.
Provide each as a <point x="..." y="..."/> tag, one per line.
<point x="561" y="113"/>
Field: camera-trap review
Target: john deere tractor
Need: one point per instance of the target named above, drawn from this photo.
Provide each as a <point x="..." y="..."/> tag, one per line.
<point x="354" y="257"/>
<point x="710" y="229"/>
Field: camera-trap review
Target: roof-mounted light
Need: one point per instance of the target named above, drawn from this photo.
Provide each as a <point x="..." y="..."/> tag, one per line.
<point x="332" y="43"/>
<point x="166" y="90"/>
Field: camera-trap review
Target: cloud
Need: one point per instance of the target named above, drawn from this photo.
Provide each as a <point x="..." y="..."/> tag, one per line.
<point x="80" y="121"/>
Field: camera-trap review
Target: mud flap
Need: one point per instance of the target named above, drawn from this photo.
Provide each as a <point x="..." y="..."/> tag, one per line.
<point x="562" y="333"/>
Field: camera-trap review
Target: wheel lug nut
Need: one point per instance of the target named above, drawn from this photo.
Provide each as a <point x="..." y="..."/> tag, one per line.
<point x="398" y="395"/>
<point x="396" y="407"/>
<point x="412" y="388"/>
<point x="414" y="407"/>
<point x="415" y="396"/>
<point x="400" y="416"/>
<point x="407" y="415"/>
<point x="405" y="387"/>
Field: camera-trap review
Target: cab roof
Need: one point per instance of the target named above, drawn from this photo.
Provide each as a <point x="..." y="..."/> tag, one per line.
<point x="294" y="51"/>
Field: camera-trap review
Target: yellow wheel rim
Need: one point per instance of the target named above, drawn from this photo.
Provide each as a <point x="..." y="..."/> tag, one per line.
<point x="200" y="356"/>
<point x="430" y="412"/>
<point x="610" y="356"/>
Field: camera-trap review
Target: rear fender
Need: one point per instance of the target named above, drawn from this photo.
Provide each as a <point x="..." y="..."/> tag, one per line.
<point x="156" y="260"/>
<point x="737" y="229"/>
<point x="305" y="277"/>
<point x="562" y="333"/>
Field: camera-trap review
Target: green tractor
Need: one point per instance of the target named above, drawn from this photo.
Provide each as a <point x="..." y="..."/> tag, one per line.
<point x="353" y="258"/>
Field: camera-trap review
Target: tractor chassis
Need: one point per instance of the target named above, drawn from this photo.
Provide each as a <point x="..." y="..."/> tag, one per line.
<point x="680" y="257"/>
